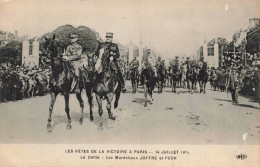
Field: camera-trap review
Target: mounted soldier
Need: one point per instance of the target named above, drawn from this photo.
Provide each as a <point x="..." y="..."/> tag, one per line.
<point x="73" y="56"/>
<point x="203" y="75"/>
<point x="112" y="56"/>
<point x="134" y="73"/>
<point x="149" y="63"/>
<point x="134" y="64"/>
<point x="175" y="73"/>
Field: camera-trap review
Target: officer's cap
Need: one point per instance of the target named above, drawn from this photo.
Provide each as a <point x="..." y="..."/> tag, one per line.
<point x="188" y="58"/>
<point x="109" y="34"/>
<point x="73" y="35"/>
<point x="176" y="57"/>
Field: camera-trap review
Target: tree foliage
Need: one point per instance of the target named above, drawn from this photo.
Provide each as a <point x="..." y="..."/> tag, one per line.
<point x="11" y="52"/>
<point x="86" y="37"/>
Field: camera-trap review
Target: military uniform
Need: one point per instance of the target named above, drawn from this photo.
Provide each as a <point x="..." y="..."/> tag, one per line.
<point x="232" y="83"/>
<point x="113" y="52"/>
<point x="134" y="64"/>
<point x="73" y="53"/>
<point x="150" y="63"/>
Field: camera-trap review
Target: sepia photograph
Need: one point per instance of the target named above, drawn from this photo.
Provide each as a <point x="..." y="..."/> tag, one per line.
<point x="129" y="83"/>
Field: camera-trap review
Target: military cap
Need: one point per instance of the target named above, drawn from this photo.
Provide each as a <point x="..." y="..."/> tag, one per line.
<point x="73" y="35"/>
<point x="109" y="34"/>
<point x="188" y="58"/>
<point x="176" y="57"/>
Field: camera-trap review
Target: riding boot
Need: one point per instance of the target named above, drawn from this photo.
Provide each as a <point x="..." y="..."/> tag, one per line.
<point x="121" y="80"/>
<point x="77" y="86"/>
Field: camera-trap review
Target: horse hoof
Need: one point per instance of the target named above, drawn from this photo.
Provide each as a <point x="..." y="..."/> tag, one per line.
<point x="91" y="118"/>
<point x="145" y="105"/>
<point x="48" y="126"/>
<point x="81" y="121"/>
<point x="100" y="113"/>
<point x="69" y="127"/>
<point x="178" y="92"/>
<point x="111" y="117"/>
<point x="151" y="102"/>
<point x="115" y="105"/>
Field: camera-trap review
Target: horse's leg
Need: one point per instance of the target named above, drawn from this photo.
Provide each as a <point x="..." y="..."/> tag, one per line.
<point x="81" y="103"/>
<point x="53" y="99"/>
<point x="151" y="96"/>
<point x="117" y="99"/>
<point x="99" y="101"/>
<point x="192" y="87"/>
<point x="67" y="109"/>
<point x="90" y="102"/>
<point x="145" y="95"/>
<point x="205" y="87"/>
<point x="109" y="100"/>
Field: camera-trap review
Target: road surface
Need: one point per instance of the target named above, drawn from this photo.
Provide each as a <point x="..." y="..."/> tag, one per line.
<point x="182" y="118"/>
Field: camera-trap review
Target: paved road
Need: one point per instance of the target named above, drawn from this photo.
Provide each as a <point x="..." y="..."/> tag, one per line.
<point x="186" y="118"/>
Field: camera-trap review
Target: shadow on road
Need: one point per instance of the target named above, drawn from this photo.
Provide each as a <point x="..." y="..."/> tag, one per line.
<point x="247" y="105"/>
<point x="222" y="100"/>
<point x="100" y="122"/>
<point x="241" y="105"/>
<point x="139" y="100"/>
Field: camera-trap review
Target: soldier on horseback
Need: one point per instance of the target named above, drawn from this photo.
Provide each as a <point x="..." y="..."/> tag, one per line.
<point x="159" y="64"/>
<point x="134" y="73"/>
<point x="113" y="54"/>
<point x="134" y="64"/>
<point x="149" y="63"/>
<point x="73" y="55"/>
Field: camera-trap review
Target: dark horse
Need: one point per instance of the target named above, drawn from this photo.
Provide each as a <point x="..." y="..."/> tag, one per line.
<point x="149" y="82"/>
<point x="108" y="82"/>
<point x="160" y="78"/>
<point x="176" y="76"/>
<point x="203" y="79"/>
<point x="134" y="77"/>
<point x="191" y="78"/>
<point x="61" y="82"/>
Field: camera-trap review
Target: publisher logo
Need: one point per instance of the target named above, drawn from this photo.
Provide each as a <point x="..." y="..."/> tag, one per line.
<point x="241" y="156"/>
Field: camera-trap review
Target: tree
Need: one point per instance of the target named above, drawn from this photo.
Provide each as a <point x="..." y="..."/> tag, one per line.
<point x="12" y="53"/>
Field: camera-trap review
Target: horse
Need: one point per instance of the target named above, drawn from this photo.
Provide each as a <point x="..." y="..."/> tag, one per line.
<point x="148" y="81"/>
<point x="134" y="77"/>
<point x="175" y="77"/>
<point x="213" y="80"/>
<point x="108" y="83"/>
<point x="203" y="79"/>
<point x="191" y="77"/>
<point x="160" y="78"/>
<point x="60" y="82"/>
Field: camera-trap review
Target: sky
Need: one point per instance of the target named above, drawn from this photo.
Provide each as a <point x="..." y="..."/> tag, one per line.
<point x="173" y="27"/>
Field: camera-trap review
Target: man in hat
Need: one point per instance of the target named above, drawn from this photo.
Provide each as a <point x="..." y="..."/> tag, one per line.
<point x="73" y="55"/>
<point x="232" y="84"/>
<point x="134" y="64"/>
<point x="150" y="63"/>
<point x="114" y="56"/>
<point x="159" y="64"/>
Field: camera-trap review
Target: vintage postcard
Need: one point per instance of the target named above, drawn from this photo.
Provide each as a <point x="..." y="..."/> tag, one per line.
<point x="129" y="83"/>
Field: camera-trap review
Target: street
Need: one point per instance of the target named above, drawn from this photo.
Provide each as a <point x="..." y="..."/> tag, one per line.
<point x="183" y="118"/>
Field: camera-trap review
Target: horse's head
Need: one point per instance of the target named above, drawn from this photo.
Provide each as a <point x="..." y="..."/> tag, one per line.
<point x="49" y="45"/>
